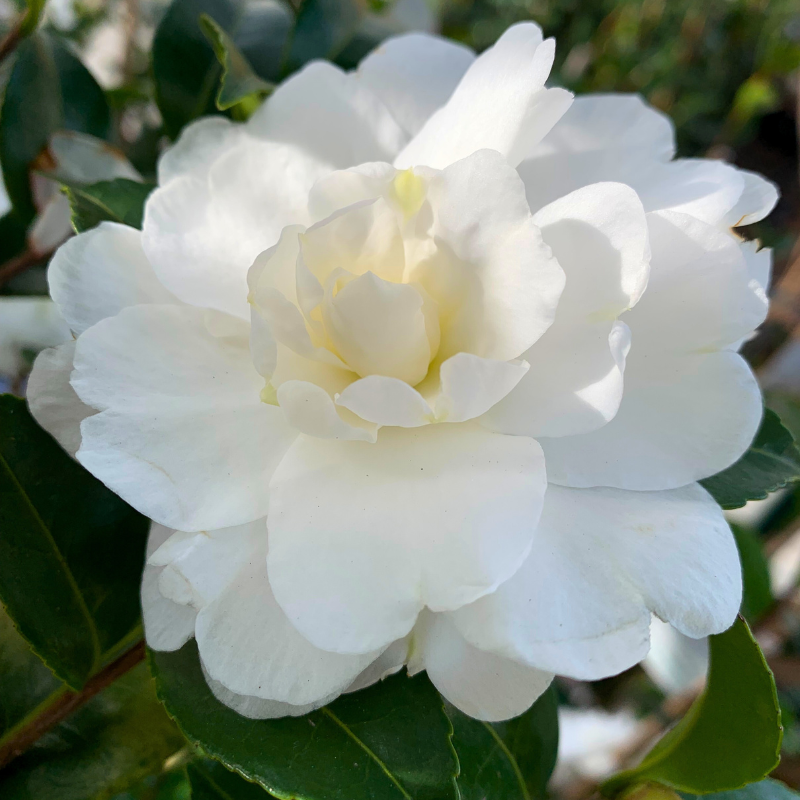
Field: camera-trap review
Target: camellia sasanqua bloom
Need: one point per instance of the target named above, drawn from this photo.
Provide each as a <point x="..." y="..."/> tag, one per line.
<point x="420" y="366"/>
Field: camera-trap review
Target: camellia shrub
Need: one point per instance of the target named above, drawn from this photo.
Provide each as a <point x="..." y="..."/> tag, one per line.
<point x="401" y="391"/>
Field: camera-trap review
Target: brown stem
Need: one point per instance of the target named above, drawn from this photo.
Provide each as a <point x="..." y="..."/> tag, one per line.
<point x="65" y="704"/>
<point x="18" y="264"/>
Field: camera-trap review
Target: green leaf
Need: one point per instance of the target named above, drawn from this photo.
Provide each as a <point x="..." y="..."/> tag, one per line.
<point x="731" y="736"/>
<point x="33" y="13"/>
<point x="71" y="552"/>
<point x="323" y="28"/>
<point x="767" y="789"/>
<point x="757" y="595"/>
<point x="25" y="682"/>
<point x="116" y="739"/>
<point x="187" y="71"/>
<point x="211" y="781"/>
<point x="48" y="90"/>
<point x="771" y="462"/>
<point x="239" y="82"/>
<point x="389" y="741"/>
<point x="510" y="760"/>
<point x="119" y="200"/>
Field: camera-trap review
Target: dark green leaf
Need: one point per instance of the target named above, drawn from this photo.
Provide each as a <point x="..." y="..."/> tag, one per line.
<point x="48" y="89"/>
<point x="71" y="552"/>
<point x="120" y="200"/>
<point x="187" y="72"/>
<point x="510" y="760"/>
<point x="772" y="461"/>
<point x="730" y="736"/>
<point x="112" y="742"/>
<point x="211" y="781"/>
<point x="323" y="28"/>
<point x="757" y="595"/>
<point x="238" y="82"/>
<point x="25" y="682"/>
<point x="763" y="790"/>
<point x="389" y="741"/>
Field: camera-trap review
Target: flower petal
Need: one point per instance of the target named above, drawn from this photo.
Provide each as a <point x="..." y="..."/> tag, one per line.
<point x="483" y="685"/>
<point x="602" y="559"/>
<point x="757" y="200"/>
<point x="330" y="116"/>
<point x="599" y="236"/>
<point x="494" y="278"/>
<point x="414" y="74"/>
<point x="202" y="233"/>
<point x="198" y="146"/>
<point x="386" y="401"/>
<point x="97" y="273"/>
<point x="249" y="646"/>
<point x="53" y="401"/>
<point x="182" y="434"/>
<point x="311" y="411"/>
<point x="445" y="513"/>
<point x="471" y="385"/>
<point x="500" y="104"/>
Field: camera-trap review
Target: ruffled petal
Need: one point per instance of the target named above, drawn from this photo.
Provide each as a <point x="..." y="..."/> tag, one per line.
<point x="757" y="200"/>
<point x="182" y="434"/>
<point x="601" y="561"/>
<point x="444" y="514"/>
<point x="500" y="104"/>
<point x="98" y="273"/>
<point x="386" y="401"/>
<point x="495" y="280"/>
<point x="414" y="75"/>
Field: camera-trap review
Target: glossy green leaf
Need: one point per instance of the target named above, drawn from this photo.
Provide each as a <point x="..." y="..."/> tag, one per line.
<point x="757" y="595"/>
<point x="510" y="760"/>
<point x="48" y="89"/>
<point x="771" y="462"/>
<point x="390" y="741"/>
<point x="767" y="789"/>
<point x="69" y="543"/>
<point x="323" y="28"/>
<point x="211" y="781"/>
<point x="119" y="200"/>
<point x="112" y="742"/>
<point x="730" y="736"/>
<point x="186" y="70"/>
<point x="238" y="83"/>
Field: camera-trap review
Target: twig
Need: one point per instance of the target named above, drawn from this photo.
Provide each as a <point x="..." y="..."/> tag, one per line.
<point x="12" y="38"/>
<point x="68" y="702"/>
<point x="24" y="261"/>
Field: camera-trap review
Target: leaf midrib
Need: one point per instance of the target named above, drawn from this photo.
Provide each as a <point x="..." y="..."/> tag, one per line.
<point x="384" y="768"/>
<point x="73" y="584"/>
<point x="511" y="760"/>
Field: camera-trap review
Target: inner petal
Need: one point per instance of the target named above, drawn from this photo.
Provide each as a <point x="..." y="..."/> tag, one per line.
<point x="379" y="328"/>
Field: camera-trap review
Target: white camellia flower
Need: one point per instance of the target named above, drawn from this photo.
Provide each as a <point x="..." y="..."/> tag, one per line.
<point x="420" y="366"/>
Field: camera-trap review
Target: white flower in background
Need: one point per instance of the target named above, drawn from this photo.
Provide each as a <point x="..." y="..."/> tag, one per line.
<point x="357" y="337"/>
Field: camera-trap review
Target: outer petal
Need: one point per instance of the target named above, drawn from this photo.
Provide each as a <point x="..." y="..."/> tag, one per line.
<point x="414" y="75"/>
<point x="682" y="418"/>
<point x="247" y="643"/>
<point x="500" y="104"/>
<point x="602" y="560"/>
<point x="202" y="233"/>
<point x="483" y="685"/>
<point x="167" y="625"/>
<point x="445" y="514"/>
<point x="495" y="280"/>
<point x="331" y="117"/>
<point x="198" y="146"/>
<point x="53" y="401"/>
<point x="98" y="273"/>
<point x="599" y="235"/>
<point x="756" y="202"/>
<point x="182" y="434"/>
